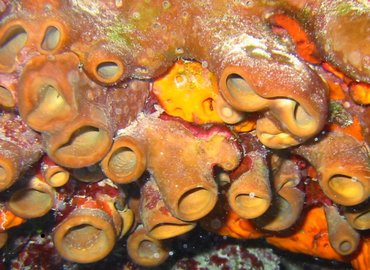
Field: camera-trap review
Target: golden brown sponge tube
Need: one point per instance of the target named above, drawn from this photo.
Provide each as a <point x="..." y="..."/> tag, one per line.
<point x="181" y="173"/>
<point x="54" y="175"/>
<point x="288" y="204"/>
<point x="13" y="37"/>
<point x="6" y="97"/>
<point x="158" y="221"/>
<point x="250" y="195"/>
<point x="300" y="115"/>
<point x="102" y="65"/>
<point x="10" y="164"/>
<point x="126" y="161"/>
<point x="270" y="133"/>
<point x="358" y="216"/>
<point x="343" y="238"/>
<point x="145" y="250"/>
<point x="85" y="236"/>
<point x="83" y="142"/>
<point x="55" y="36"/>
<point x="34" y="200"/>
<point x="47" y="97"/>
<point x="342" y="166"/>
<point x="181" y="163"/>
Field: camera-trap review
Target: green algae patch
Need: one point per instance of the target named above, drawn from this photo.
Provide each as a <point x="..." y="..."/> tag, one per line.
<point x="119" y="33"/>
<point x="339" y="115"/>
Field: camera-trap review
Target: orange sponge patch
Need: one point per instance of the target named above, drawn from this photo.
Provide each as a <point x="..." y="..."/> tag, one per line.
<point x="189" y="91"/>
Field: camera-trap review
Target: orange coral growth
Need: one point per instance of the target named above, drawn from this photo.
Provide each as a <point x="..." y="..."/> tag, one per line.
<point x="246" y="125"/>
<point x="312" y="237"/>
<point x="9" y="220"/>
<point x="311" y="172"/>
<point x="361" y="261"/>
<point x="335" y="90"/>
<point x="340" y="101"/>
<point x="354" y="129"/>
<point x="238" y="227"/>
<point x="305" y="48"/>
<point x="336" y="72"/>
<point x="188" y="91"/>
<point x="360" y="93"/>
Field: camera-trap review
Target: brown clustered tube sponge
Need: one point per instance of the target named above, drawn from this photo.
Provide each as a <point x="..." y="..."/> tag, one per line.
<point x="188" y="187"/>
<point x="270" y="133"/>
<point x="86" y="235"/>
<point x="145" y="250"/>
<point x="33" y="200"/>
<point x="343" y="238"/>
<point x="287" y="206"/>
<point x="13" y="37"/>
<point x="87" y="230"/>
<point x="46" y="33"/>
<point x="157" y="220"/>
<point x="117" y="45"/>
<point x="47" y="91"/>
<point x="82" y="142"/>
<point x="342" y="166"/>
<point x="180" y="162"/>
<point x="103" y="65"/>
<point x="249" y="194"/>
<point x="54" y="175"/>
<point x="358" y="216"/>
<point x="126" y="161"/>
<point x="297" y="98"/>
<point x="6" y="97"/>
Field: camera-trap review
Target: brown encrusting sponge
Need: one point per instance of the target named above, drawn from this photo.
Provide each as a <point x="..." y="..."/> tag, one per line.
<point x="147" y="117"/>
<point x="20" y="147"/>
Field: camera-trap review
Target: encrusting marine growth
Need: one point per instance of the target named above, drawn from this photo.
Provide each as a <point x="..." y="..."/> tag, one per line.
<point x="249" y="118"/>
